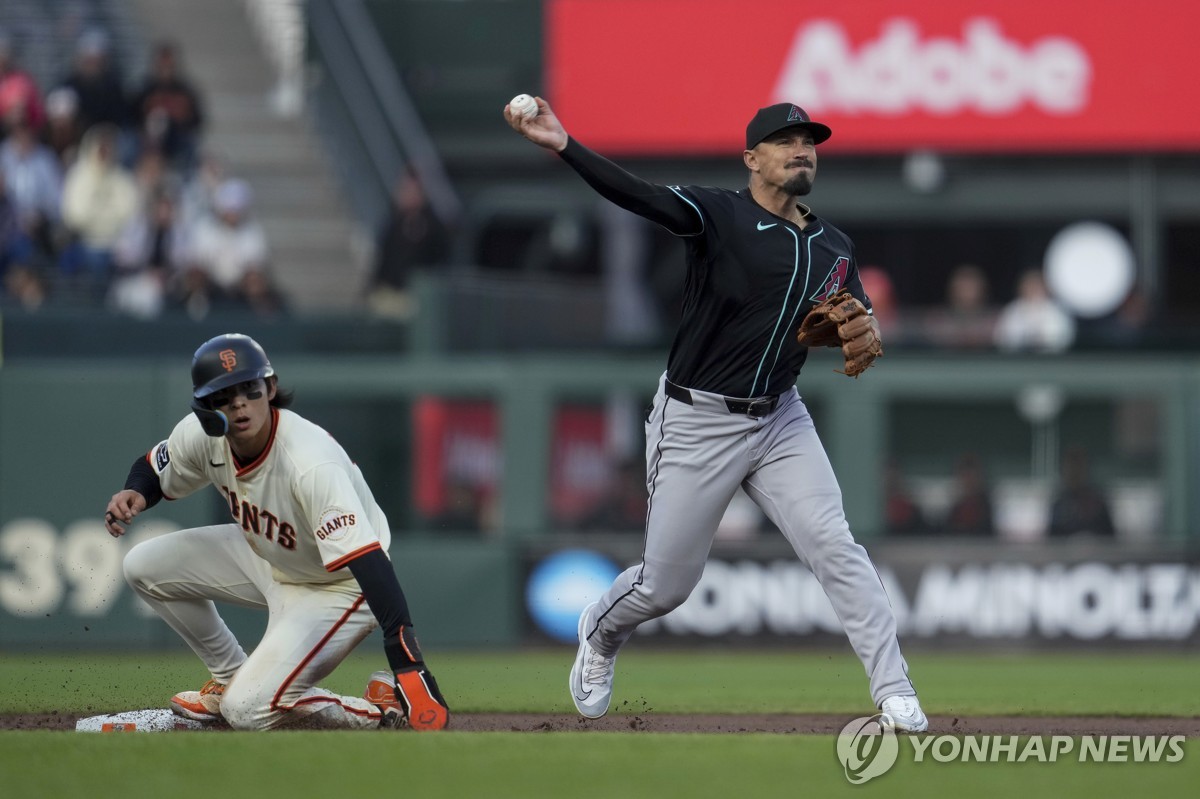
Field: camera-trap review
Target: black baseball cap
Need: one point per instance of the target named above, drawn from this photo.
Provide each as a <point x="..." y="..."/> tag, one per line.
<point x="775" y="118"/>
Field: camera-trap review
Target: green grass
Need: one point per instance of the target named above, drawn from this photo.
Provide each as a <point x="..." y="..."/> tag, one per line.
<point x="707" y="681"/>
<point x="577" y="764"/>
<point x="312" y="764"/>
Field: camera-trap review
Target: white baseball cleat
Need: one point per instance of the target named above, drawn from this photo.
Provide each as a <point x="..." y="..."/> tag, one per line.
<point x="903" y="714"/>
<point x="202" y="705"/>
<point x="591" y="675"/>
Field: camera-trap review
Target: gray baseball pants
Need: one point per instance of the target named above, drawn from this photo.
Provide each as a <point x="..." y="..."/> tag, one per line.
<point x="696" y="457"/>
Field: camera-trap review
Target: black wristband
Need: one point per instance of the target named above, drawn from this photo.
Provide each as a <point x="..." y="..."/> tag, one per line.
<point x="143" y="480"/>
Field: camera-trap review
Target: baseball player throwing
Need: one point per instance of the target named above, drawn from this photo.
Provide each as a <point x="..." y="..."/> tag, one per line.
<point x="727" y="413"/>
<point x="307" y="543"/>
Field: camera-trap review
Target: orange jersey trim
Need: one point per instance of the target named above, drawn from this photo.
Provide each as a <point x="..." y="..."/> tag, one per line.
<point x="242" y="471"/>
<point x="358" y="553"/>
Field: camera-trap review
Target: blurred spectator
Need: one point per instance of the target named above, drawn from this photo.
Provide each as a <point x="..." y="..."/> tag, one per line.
<point x="18" y="90"/>
<point x="140" y="294"/>
<point x="99" y="199"/>
<point x="878" y="285"/>
<point x="565" y="247"/>
<point x="1127" y="326"/>
<point x="1033" y="322"/>
<point x="23" y="288"/>
<point x="154" y="238"/>
<point x="1080" y="506"/>
<point x="150" y="174"/>
<point x="73" y="17"/>
<point x="622" y="508"/>
<point x="902" y="515"/>
<point x="12" y="242"/>
<point x="148" y="254"/>
<point x="96" y="83"/>
<point x="261" y="296"/>
<point x="194" y="293"/>
<point x="196" y="198"/>
<point x="968" y="319"/>
<point x="33" y="183"/>
<point x="167" y="110"/>
<point x="226" y="247"/>
<point x="971" y="512"/>
<point x="63" y="130"/>
<point x="411" y="237"/>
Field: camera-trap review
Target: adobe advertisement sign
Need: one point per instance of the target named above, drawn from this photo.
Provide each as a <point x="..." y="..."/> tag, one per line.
<point x="676" y="77"/>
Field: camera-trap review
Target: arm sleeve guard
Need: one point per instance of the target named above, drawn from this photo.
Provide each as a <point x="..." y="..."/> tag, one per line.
<point x="143" y="480"/>
<point x="654" y="202"/>
<point x="383" y="593"/>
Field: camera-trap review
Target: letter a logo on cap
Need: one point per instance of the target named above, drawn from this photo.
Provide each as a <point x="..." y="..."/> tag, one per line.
<point x="795" y="114"/>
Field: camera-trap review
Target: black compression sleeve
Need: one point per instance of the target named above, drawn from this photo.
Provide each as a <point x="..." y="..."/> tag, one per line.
<point x="656" y="203"/>
<point x="382" y="591"/>
<point x="143" y="480"/>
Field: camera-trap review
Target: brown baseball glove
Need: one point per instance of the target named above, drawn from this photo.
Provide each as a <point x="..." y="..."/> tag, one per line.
<point x="842" y="321"/>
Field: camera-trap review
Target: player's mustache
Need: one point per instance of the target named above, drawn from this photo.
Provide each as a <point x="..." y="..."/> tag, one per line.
<point x="800" y="162"/>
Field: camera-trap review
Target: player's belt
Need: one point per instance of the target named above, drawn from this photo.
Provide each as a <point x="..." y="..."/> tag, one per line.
<point x="757" y="407"/>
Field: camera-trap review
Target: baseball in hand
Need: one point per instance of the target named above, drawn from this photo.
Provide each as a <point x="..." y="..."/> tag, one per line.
<point x="523" y="106"/>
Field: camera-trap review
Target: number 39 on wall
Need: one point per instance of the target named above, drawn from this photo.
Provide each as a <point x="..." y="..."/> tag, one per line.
<point x="40" y="569"/>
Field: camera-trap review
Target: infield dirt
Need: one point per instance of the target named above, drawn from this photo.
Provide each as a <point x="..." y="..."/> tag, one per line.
<point x="784" y="724"/>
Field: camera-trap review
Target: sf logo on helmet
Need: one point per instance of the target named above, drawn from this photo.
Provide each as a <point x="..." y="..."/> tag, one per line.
<point x="228" y="359"/>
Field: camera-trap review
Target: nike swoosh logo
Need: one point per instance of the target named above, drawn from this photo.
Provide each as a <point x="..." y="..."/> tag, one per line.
<point x="214" y="465"/>
<point x="582" y="694"/>
<point x="761" y="226"/>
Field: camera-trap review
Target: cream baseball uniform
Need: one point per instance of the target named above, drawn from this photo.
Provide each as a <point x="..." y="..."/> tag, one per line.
<point x="301" y="510"/>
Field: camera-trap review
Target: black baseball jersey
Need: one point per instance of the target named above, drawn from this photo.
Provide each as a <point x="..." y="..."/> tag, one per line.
<point x="751" y="277"/>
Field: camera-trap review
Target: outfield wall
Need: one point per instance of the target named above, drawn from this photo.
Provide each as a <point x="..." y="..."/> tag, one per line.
<point x="69" y="430"/>
<point x="65" y="591"/>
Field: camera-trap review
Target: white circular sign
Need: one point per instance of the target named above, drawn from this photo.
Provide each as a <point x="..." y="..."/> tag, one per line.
<point x="1089" y="268"/>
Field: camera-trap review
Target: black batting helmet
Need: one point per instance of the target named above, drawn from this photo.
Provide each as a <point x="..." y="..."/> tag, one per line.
<point x="226" y="361"/>
<point x="219" y="363"/>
